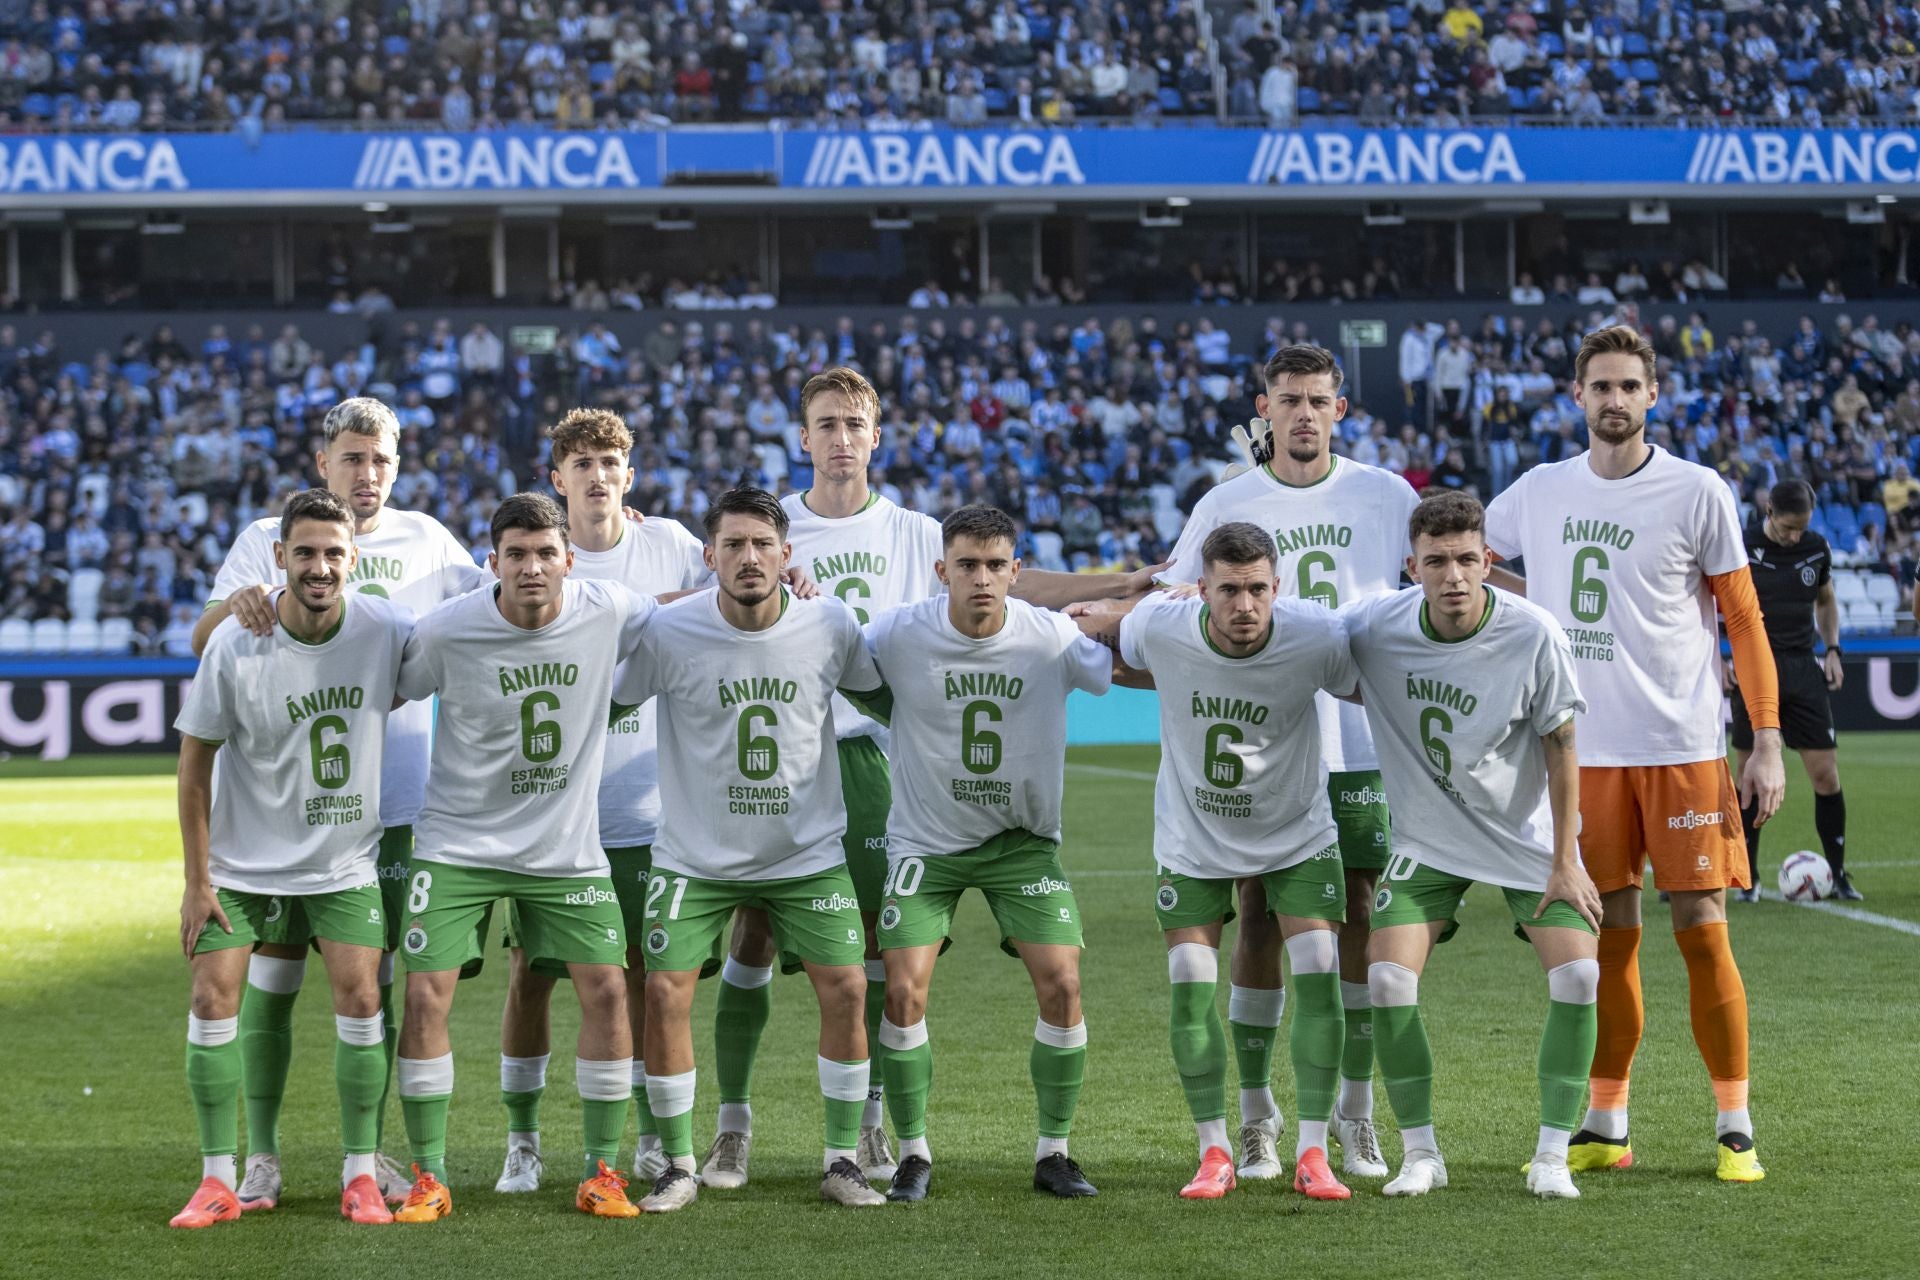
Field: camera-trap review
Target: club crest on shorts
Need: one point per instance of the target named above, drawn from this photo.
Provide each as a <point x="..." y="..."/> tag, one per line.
<point x="416" y="940"/>
<point x="656" y="940"/>
<point x="1168" y="898"/>
<point x="275" y="909"/>
<point x="1382" y="899"/>
<point x="890" y="916"/>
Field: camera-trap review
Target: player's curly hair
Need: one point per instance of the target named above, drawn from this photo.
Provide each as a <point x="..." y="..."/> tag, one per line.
<point x="1238" y="542"/>
<point x="587" y="431"/>
<point x="979" y="522"/>
<point x="315" y="504"/>
<point x="745" y="500"/>
<point x="1302" y="360"/>
<point x="849" y="383"/>
<point x="533" y="512"/>
<point x="1615" y="339"/>
<point x="1447" y="512"/>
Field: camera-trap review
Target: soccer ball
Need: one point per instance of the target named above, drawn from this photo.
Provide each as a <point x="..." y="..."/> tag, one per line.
<point x="1805" y="877"/>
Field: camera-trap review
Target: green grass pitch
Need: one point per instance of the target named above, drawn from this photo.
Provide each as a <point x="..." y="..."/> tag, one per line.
<point x="98" y="1147"/>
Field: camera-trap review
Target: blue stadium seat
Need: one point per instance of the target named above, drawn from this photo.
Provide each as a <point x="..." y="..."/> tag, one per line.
<point x="1308" y="100"/>
<point x="1039" y="27"/>
<point x="1171" y="102"/>
<point x="1397" y="17"/>
<point x="756" y="72"/>
<point x="1845" y="525"/>
<point x="1872" y="513"/>
<point x="996" y="98"/>
<point x="1551" y="44"/>
<point x="1619" y="69"/>
<point x="37" y="105"/>
<point x="1517" y="99"/>
<point x="1645" y="70"/>
<point x="601" y="73"/>
<point x="1635" y="45"/>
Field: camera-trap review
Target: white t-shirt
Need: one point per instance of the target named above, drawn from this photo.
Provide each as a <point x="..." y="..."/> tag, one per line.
<point x="1458" y="725"/>
<point x="522" y="728"/>
<point x="1623" y="565"/>
<point x="653" y="557"/>
<point x="1341" y="538"/>
<point x="873" y="560"/>
<point x="411" y="559"/>
<point x="748" y="770"/>
<point x="1242" y="789"/>
<point x="296" y="798"/>
<point x="979" y="726"/>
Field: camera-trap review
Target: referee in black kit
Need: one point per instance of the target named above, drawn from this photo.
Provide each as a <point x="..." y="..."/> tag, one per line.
<point x="1792" y="575"/>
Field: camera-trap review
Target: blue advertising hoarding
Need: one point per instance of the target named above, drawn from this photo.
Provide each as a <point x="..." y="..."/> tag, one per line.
<point x="645" y="166"/>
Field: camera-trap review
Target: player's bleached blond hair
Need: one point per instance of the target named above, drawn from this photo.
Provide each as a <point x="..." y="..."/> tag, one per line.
<point x="359" y="416"/>
<point x="590" y="431"/>
<point x="849" y="383"/>
<point x="1615" y="339"/>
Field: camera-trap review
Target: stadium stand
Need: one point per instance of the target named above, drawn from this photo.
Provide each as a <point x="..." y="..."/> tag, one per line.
<point x="125" y="474"/>
<point x="162" y="66"/>
<point x="154" y="66"/>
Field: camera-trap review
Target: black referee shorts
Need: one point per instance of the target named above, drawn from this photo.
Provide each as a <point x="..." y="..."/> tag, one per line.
<point x="1806" y="716"/>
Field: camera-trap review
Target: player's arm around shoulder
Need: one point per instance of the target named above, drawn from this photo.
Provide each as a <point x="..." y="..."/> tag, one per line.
<point x="1503" y="521"/>
<point x="1089" y="664"/>
<point x="420" y="657"/>
<point x="243" y="588"/>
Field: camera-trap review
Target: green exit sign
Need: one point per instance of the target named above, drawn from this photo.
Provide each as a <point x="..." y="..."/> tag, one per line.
<point x="1363" y="333"/>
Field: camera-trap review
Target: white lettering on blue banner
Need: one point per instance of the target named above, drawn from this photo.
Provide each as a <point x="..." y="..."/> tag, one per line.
<point x="569" y="161"/>
<point x="1339" y="159"/>
<point x="46" y="165"/>
<point x="943" y="160"/>
<point x="1804" y="157"/>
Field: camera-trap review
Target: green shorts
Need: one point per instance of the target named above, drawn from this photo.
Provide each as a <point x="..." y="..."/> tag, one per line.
<point x="1359" y="802"/>
<point x="815" y="918"/>
<point x="1313" y="889"/>
<point x="630" y="870"/>
<point x="350" y="916"/>
<point x="1412" y="894"/>
<point x="396" y="853"/>
<point x="1017" y="872"/>
<point x="866" y="785"/>
<point x="569" y="919"/>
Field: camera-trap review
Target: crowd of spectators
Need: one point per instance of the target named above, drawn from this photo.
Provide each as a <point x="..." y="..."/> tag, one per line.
<point x="1845" y="62"/>
<point x="460" y="64"/>
<point x="126" y="473"/>
<point x="902" y="64"/>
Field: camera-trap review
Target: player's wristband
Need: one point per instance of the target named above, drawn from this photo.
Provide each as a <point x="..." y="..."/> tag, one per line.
<point x="1836" y="650"/>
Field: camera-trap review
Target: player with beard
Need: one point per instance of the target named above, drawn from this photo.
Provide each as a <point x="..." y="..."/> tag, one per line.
<point x="873" y="555"/>
<point x="291" y="724"/>
<point x="410" y="558"/>
<point x="1630" y="548"/>
<point x="1340" y="528"/>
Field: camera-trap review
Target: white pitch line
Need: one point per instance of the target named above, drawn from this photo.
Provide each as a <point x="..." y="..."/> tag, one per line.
<point x="1850" y="913"/>
<point x="1105" y="772"/>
